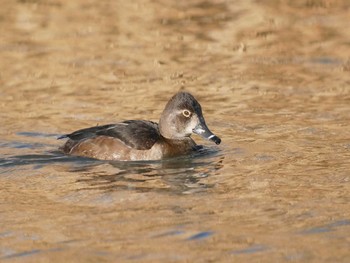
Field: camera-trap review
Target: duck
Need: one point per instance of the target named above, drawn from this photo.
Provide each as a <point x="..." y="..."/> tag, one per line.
<point x="143" y="140"/>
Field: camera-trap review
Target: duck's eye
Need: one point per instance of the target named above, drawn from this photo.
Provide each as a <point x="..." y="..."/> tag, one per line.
<point x="186" y="113"/>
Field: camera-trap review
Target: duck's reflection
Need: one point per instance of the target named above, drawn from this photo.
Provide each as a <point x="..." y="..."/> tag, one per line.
<point x="181" y="175"/>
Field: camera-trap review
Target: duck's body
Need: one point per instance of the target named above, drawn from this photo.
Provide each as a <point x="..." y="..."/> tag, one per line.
<point x="144" y="140"/>
<point x="134" y="139"/>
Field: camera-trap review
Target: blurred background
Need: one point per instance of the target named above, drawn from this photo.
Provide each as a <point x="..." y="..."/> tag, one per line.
<point x="273" y="81"/>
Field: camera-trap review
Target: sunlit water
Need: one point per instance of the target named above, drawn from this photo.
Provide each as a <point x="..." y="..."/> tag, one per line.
<point x="274" y="84"/>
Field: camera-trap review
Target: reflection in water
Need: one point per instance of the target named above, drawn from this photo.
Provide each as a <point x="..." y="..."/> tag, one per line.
<point x="40" y="160"/>
<point x="177" y="175"/>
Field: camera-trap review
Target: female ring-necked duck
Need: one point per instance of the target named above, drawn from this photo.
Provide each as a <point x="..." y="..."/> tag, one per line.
<point x="144" y="140"/>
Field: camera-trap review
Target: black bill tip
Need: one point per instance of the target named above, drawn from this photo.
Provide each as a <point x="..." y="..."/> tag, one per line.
<point x="215" y="139"/>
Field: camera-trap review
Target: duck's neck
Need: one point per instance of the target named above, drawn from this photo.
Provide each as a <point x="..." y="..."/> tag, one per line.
<point x="176" y="147"/>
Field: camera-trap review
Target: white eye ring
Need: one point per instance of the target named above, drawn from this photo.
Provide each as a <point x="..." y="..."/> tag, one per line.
<point x="186" y="113"/>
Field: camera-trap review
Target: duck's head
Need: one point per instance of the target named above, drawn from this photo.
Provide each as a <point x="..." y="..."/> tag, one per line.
<point x="183" y="116"/>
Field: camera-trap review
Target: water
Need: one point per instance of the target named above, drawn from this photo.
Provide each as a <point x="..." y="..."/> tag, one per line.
<point x="274" y="84"/>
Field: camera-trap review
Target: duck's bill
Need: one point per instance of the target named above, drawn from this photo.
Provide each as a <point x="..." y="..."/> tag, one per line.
<point x="202" y="130"/>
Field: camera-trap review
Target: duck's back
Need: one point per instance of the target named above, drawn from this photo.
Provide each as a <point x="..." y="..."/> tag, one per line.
<point x="120" y="141"/>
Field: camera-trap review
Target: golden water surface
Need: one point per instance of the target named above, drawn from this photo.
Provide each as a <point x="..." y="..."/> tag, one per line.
<point x="273" y="78"/>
